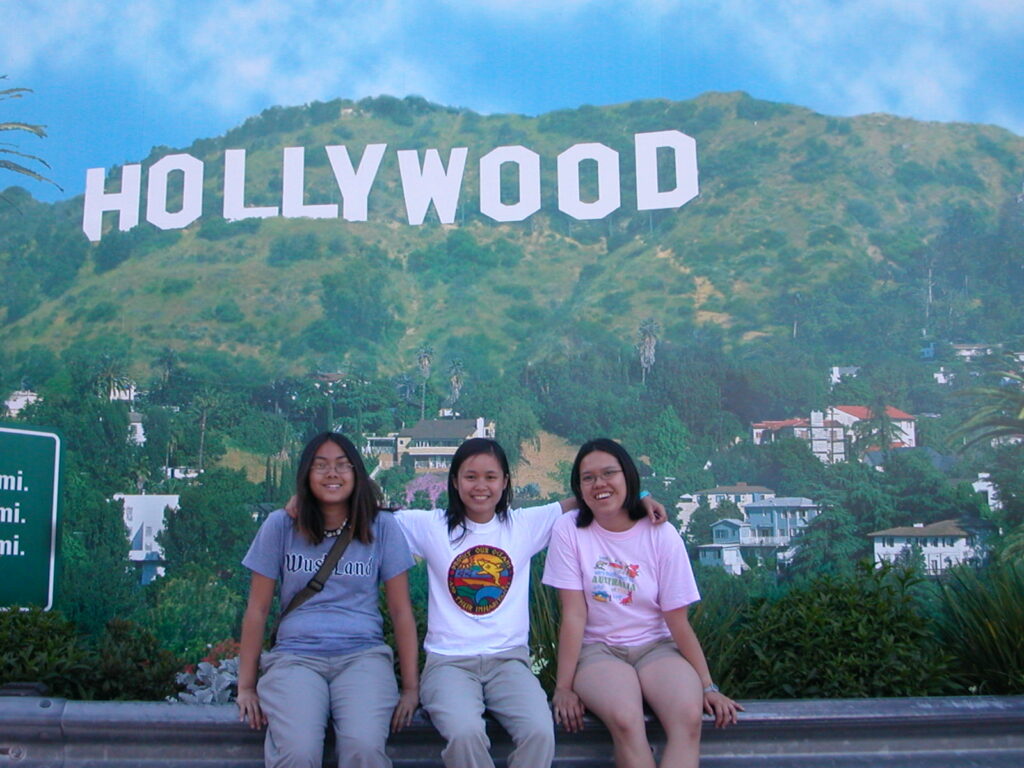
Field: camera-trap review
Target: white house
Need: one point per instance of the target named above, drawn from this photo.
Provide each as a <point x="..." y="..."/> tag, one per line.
<point x="17" y="401"/>
<point x="942" y="544"/>
<point x="429" y="444"/>
<point x="904" y="423"/>
<point x="136" y="432"/>
<point x="985" y="485"/>
<point x="126" y="392"/>
<point x="826" y="437"/>
<point x="144" y="519"/>
<point x="837" y="372"/>
<point x="740" y="494"/>
<point x="829" y="433"/>
<point x="971" y="352"/>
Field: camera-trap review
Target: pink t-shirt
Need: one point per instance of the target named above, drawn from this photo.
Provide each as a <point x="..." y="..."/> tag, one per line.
<point x="628" y="578"/>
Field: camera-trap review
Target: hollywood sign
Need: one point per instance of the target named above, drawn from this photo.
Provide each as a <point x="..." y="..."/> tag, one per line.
<point x="424" y="183"/>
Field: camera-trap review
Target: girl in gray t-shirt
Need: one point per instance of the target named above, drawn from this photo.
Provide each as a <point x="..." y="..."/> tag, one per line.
<point x="330" y="658"/>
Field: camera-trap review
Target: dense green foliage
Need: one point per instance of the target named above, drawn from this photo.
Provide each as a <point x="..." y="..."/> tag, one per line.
<point x="983" y="623"/>
<point x="855" y="636"/>
<point x="126" y="662"/>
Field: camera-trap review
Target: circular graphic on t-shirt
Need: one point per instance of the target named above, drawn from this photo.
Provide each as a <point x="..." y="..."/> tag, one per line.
<point x="479" y="579"/>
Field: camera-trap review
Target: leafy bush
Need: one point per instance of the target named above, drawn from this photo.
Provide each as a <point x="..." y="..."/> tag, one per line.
<point x="131" y="665"/>
<point x="983" y="624"/>
<point x="43" y="646"/>
<point x="842" y="637"/>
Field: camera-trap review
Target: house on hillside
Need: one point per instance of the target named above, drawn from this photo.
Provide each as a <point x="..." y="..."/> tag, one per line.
<point x="144" y="519"/>
<point x="16" y="402"/>
<point x="427" y="446"/>
<point x="136" y="432"/>
<point x="125" y="392"/>
<point x="903" y="423"/>
<point x="986" y="487"/>
<point x="971" y="352"/>
<point x="826" y="438"/>
<point x="740" y="494"/>
<point x="830" y="433"/>
<point x="942" y="544"/>
<point x="837" y="372"/>
<point x="767" y="533"/>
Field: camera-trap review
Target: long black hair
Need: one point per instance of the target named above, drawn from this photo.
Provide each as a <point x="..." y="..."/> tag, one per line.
<point x="455" y="515"/>
<point x="634" y="508"/>
<point x="364" y="503"/>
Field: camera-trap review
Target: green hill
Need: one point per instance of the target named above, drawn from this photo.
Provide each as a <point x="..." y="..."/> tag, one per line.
<point x="839" y="234"/>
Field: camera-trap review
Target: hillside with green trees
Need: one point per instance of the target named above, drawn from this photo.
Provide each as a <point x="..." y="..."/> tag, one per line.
<point x="834" y="233"/>
<point x="815" y="242"/>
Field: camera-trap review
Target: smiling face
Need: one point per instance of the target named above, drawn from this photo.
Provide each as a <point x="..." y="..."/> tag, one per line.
<point x="603" y="484"/>
<point x="480" y="483"/>
<point x="331" y="479"/>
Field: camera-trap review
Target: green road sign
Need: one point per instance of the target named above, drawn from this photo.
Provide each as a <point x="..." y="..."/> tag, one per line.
<point x="30" y="470"/>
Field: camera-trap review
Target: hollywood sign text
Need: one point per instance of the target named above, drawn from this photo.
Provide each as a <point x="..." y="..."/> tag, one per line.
<point x="424" y="183"/>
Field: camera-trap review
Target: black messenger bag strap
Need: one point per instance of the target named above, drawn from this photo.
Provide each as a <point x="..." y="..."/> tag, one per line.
<point x="315" y="584"/>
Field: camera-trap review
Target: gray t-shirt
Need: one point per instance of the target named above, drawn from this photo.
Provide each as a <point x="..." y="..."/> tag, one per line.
<point x="345" y="616"/>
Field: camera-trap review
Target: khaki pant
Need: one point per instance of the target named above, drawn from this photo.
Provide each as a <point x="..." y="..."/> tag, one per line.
<point x="456" y="690"/>
<point x="298" y="693"/>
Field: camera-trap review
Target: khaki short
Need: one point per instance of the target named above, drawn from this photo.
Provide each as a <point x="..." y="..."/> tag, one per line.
<point x="634" y="655"/>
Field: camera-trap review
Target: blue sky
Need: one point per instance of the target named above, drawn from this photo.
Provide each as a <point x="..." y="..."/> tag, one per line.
<point x="111" y="80"/>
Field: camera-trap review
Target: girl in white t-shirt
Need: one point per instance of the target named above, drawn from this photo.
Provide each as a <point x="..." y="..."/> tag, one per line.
<point x="625" y="587"/>
<point x="478" y="554"/>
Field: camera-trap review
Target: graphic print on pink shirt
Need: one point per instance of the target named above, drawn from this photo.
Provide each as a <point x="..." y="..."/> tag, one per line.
<point x="614" y="582"/>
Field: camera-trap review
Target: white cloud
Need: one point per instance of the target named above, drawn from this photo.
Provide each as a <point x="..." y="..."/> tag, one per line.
<point x="924" y="58"/>
<point x="224" y="55"/>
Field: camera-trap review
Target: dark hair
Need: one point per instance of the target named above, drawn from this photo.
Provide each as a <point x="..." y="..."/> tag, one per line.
<point x="629" y="471"/>
<point x="364" y="503"/>
<point x="455" y="515"/>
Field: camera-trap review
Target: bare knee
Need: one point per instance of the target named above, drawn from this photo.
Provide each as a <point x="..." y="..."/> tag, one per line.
<point x="686" y="726"/>
<point x="625" y="724"/>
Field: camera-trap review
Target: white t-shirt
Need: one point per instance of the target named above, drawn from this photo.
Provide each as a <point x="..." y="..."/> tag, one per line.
<point x="629" y="578"/>
<point x="479" y="583"/>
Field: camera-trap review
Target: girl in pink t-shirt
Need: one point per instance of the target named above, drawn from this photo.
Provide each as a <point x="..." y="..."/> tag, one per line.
<point x="625" y="586"/>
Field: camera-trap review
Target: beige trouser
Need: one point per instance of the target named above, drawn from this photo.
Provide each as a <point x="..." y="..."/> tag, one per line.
<point x="456" y="690"/>
<point x="298" y="693"/>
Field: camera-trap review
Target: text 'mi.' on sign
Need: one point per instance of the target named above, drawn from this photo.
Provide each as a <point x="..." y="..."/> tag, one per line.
<point x="30" y="472"/>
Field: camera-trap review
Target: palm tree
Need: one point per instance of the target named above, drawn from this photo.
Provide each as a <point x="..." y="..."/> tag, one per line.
<point x="203" y="405"/>
<point x="649" y="330"/>
<point x="5" y="148"/>
<point x="1000" y="411"/>
<point x="110" y="376"/>
<point x="456" y="372"/>
<point x="424" y="356"/>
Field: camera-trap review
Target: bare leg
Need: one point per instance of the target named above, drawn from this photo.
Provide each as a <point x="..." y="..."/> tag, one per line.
<point x="672" y="688"/>
<point x="611" y="690"/>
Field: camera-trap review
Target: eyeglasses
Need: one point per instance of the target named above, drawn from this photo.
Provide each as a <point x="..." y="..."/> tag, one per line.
<point x="604" y="474"/>
<point x="323" y="467"/>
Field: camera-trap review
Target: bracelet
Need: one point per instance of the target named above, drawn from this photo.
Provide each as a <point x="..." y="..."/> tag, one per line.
<point x="644" y="494"/>
<point x="711" y="688"/>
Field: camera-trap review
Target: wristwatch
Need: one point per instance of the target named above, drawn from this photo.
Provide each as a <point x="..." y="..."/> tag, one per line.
<point x="712" y="688"/>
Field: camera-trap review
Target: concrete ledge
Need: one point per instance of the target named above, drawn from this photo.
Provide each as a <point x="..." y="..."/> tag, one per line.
<point x="937" y="732"/>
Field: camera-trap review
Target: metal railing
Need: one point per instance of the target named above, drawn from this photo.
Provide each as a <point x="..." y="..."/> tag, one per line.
<point x="45" y="732"/>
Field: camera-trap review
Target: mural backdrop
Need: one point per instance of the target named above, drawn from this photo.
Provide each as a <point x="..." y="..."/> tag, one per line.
<point x="767" y="248"/>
